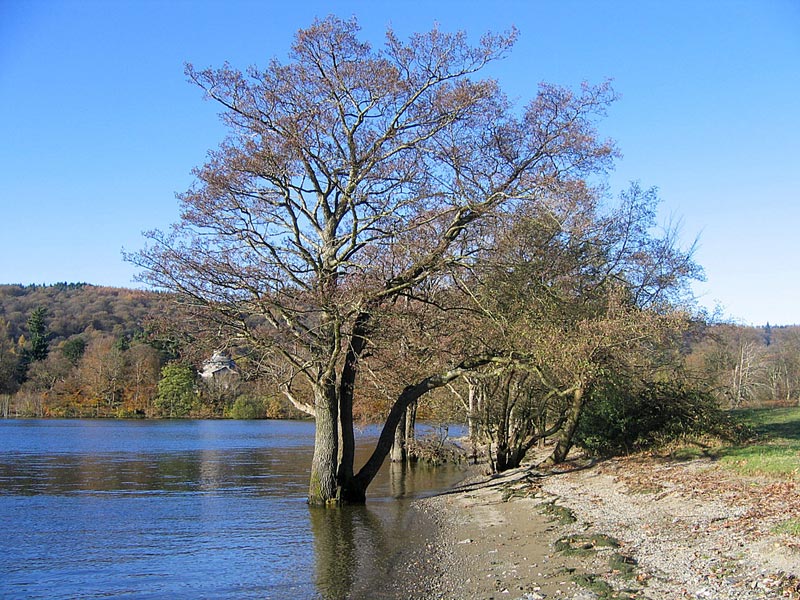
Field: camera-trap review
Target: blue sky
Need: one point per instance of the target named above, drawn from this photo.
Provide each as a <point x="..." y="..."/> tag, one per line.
<point x="99" y="129"/>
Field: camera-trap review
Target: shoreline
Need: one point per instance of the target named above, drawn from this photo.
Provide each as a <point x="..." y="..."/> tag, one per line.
<point x="642" y="528"/>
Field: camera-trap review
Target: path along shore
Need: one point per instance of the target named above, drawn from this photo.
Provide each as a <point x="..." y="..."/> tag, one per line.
<point x="625" y="528"/>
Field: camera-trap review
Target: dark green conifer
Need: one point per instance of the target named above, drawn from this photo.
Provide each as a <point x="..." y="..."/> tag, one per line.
<point x="37" y="331"/>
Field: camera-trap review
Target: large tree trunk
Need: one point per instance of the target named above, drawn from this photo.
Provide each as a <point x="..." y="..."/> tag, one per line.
<point x="358" y="341"/>
<point x="501" y="458"/>
<point x="503" y="429"/>
<point x="564" y="443"/>
<point x="323" y="488"/>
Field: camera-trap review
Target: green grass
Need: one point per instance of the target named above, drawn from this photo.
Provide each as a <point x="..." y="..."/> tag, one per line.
<point x="624" y="565"/>
<point x="601" y="589"/>
<point x="559" y="513"/>
<point x="775" y="451"/>
<point x="790" y="527"/>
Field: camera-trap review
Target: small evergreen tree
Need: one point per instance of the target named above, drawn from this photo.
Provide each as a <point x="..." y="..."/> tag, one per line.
<point x="73" y="349"/>
<point x="37" y="331"/>
<point x="247" y="407"/>
<point x="177" y="391"/>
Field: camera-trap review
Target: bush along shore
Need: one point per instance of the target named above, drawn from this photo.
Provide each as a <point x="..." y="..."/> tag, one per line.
<point x="717" y="523"/>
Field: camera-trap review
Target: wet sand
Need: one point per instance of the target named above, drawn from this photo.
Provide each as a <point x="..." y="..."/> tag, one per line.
<point x="496" y="542"/>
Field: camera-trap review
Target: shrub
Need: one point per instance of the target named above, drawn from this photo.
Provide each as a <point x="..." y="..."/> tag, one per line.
<point x="246" y="407"/>
<point x="620" y="418"/>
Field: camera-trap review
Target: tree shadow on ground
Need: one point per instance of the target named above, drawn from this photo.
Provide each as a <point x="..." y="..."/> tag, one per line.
<point x="789" y="429"/>
<point x="528" y="473"/>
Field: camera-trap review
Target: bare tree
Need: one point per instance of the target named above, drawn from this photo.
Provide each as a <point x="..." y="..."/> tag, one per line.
<point x="568" y="293"/>
<point x="350" y="177"/>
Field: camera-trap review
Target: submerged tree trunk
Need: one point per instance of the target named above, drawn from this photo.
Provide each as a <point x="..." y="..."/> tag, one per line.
<point x="404" y="436"/>
<point x="335" y="544"/>
<point x="323" y="488"/>
<point x="399" y="452"/>
<point x="411" y="424"/>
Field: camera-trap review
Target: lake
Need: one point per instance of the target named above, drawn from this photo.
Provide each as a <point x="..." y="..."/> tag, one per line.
<point x="192" y="509"/>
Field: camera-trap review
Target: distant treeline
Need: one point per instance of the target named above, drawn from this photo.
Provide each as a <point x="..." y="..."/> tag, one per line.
<point x="79" y="350"/>
<point x="78" y="308"/>
<point x="745" y="366"/>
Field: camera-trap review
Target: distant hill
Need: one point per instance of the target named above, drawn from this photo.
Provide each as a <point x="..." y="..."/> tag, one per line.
<point x="74" y="308"/>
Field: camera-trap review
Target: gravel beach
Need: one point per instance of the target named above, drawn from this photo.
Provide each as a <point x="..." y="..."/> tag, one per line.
<point x="625" y="528"/>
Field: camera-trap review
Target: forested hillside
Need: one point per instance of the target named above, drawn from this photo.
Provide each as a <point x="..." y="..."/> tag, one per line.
<point x="78" y="350"/>
<point x="75" y="308"/>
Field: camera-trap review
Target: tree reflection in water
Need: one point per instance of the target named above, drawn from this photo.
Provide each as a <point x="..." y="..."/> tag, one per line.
<point x="363" y="551"/>
<point x="349" y="543"/>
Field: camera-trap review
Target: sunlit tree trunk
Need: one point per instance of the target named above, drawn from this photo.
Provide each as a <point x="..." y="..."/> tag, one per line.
<point x="399" y="452"/>
<point x="564" y="443"/>
<point x="404" y="435"/>
<point x="323" y="488"/>
<point x="472" y="408"/>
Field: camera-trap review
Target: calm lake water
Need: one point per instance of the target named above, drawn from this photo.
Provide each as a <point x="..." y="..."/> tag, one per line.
<point x="190" y="509"/>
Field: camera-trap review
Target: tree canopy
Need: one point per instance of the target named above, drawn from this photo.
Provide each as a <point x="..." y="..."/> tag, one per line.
<point x="355" y="187"/>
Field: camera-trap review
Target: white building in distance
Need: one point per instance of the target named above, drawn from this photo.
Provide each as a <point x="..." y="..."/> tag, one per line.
<point x="219" y="364"/>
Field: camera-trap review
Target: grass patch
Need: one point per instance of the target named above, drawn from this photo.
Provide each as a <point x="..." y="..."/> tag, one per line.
<point x="772" y="460"/>
<point x="776" y="422"/>
<point x="560" y="513"/>
<point x="595" y="584"/>
<point x="582" y="545"/>
<point x="789" y="527"/>
<point x="775" y="449"/>
<point x="623" y="565"/>
<point x="601" y="589"/>
<point x="509" y="492"/>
